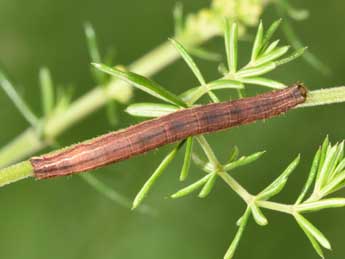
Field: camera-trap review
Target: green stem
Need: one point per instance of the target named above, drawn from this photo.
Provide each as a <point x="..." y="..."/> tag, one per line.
<point x="325" y="96"/>
<point x="285" y="208"/>
<point x="235" y="186"/>
<point x="16" y="172"/>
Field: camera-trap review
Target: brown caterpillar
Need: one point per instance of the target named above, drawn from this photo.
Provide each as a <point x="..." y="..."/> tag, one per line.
<point x="151" y="134"/>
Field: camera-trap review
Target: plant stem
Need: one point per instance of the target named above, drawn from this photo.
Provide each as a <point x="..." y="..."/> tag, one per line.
<point x="15" y="173"/>
<point x="235" y="186"/>
<point x="325" y="96"/>
<point x="285" y="208"/>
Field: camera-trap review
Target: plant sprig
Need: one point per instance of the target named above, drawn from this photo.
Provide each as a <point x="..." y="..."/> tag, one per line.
<point x="327" y="169"/>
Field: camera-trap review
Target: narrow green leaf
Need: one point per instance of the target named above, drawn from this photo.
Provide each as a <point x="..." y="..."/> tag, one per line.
<point x="271" y="47"/>
<point x="47" y="91"/>
<point x="273" y="190"/>
<point x="273" y="55"/>
<point x="111" y="110"/>
<point x="154" y="177"/>
<point x="187" y="158"/>
<point x="142" y="83"/>
<point x="205" y="191"/>
<point x="340" y="167"/>
<point x="111" y="194"/>
<point x="311" y="177"/>
<point x="234" y="244"/>
<point x="277" y="185"/>
<point x="205" y="54"/>
<point x="18" y="101"/>
<point x="192" y="65"/>
<point x="194" y="94"/>
<point x="263" y="82"/>
<point x="94" y="53"/>
<point x="189" y="60"/>
<point x="323" y="176"/>
<point x="258" y="216"/>
<point x="334" y="185"/>
<point x="257" y="43"/>
<point x="150" y="109"/>
<point x="257" y="71"/>
<point x="234" y="154"/>
<point x="244" y="160"/>
<point x="92" y="43"/>
<point x="178" y="18"/>
<point x="296" y="54"/>
<point x="203" y="165"/>
<point x="320" y="205"/>
<point x="308" y="57"/>
<point x="191" y="188"/>
<point x="309" y="228"/>
<point x="324" y="149"/>
<point x="338" y="156"/>
<point x="231" y="45"/>
<point x="315" y="244"/>
<point x="269" y="33"/>
<point x="222" y="69"/>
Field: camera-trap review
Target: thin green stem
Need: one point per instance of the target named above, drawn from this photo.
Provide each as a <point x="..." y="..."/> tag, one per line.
<point x="285" y="208"/>
<point x="208" y="151"/>
<point x="325" y="96"/>
<point x="16" y="172"/>
<point x="235" y="186"/>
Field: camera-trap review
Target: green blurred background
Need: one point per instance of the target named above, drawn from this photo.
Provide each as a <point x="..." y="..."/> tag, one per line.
<point x="65" y="218"/>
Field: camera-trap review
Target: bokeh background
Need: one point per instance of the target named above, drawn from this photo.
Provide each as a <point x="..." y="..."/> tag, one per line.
<point x="65" y="218"/>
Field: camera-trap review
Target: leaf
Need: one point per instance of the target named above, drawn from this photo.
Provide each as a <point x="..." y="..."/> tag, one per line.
<point x="271" y="47"/>
<point x="205" y="166"/>
<point x="334" y="185"/>
<point x="194" y="94"/>
<point x="154" y="177"/>
<point x="315" y="244"/>
<point x="205" y="54"/>
<point x="111" y="194"/>
<point x="191" y="188"/>
<point x="271" y="56"/>
<point x="296" y="54"/>
<point x="277" y="185"/>
<point x="320" y="205"/>
<point x="142" y="83"/>
<point x="324" y="172"/>
<point x="310" y="229"/>
<point x="150" y="109"/>
<point x="187" y="158"/>
<point x="258" y="216"/>
<point x="335" y="162"/>
<point x="234" y="244"/>
<point x="205" y="191"/>
<point x="309" y="57"/>
<point x="192" y="65"/>
<point x="258" y="42"/>
<point x="244" y="160"/>
<point x="178" y="18"/>
<point x="263" y="82"/>
<point x="311" y="177"/>
<point x="189" y="60"/>
<point x="234" y="154"/>
<point x="47" y="91"/>
<point x="269" y="33"/>
<point x="257" y="71"/>
<point x="18" y="101"/>
<point x="231" y="47"/>
<point x="94" y="53"/>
